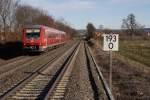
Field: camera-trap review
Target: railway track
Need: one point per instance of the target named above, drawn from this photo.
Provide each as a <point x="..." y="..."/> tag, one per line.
<point x="57" y="90"/>
<point x="14" y="66"/>
<point x="92" y="63"/>
<point x="50" y="80"/>
<point x="11" y="61"/>
<point x="37" y="84"/>
<point x="13" y="77"/>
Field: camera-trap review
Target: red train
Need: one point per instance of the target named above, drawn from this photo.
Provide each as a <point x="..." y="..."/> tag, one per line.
<point x="39" y="37"/>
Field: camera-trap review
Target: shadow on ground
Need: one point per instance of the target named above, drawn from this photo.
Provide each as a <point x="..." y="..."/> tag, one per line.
<point x="10" y="50"/>
<point x="14" y="49"/>
<point x="90" y="43"/>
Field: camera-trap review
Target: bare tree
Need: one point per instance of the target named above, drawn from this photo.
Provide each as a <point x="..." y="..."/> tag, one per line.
<point x="26" y="14"/>
<point x="130" y="26"/>
<point x="23" y="16"/>
<point x="44" y="19"/>
<point x="7" y="15"/>
<point x="90" y="29"/>
<point x="12" y="15"/>
<point x="4" y="11"/>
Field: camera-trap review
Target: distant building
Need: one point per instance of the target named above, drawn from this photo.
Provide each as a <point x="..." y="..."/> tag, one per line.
<point x="147" y="31"/>
<point x="98" y="33"/>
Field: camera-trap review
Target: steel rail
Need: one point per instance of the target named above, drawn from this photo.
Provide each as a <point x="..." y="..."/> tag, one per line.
<point x="29" y="78"/>
<point x="25" y="63"/>
<point x="105" y="85"/>
<point x="59" y="75"/>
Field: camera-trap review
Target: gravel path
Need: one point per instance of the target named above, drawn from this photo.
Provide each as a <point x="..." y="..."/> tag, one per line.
<point x="79" y="86"/>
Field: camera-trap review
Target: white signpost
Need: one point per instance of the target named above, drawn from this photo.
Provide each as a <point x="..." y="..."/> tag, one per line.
<point x="110" y="43"/>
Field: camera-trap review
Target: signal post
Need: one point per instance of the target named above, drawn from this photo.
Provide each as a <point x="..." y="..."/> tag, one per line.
<point x="110" y="44"/>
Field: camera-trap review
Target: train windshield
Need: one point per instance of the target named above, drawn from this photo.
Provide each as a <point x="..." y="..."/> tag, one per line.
<point x="33" y="33"/>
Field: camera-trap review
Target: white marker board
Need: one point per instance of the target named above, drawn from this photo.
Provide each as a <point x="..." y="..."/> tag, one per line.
<point x="110" y="42"/>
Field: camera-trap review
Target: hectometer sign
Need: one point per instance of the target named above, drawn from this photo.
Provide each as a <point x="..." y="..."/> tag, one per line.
<point x="110" y="42"/>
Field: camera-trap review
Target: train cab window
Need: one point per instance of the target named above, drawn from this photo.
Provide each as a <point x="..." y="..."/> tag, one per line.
<point x="33" y="33"/>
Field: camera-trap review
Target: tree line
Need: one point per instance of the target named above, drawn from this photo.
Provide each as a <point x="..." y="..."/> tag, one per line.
<point x="130" y="27"/>
<point x="14" y="16"/>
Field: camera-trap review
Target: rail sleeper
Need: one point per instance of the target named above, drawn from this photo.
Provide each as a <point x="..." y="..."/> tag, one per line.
<point x="60" y="88"/>
<point x="33" y="89"/>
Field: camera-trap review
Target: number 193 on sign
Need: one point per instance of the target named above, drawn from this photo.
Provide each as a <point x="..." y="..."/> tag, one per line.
<point x="110" y="42"/>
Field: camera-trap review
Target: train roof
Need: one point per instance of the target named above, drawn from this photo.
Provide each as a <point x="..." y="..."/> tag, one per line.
<point x="47" y="28"/>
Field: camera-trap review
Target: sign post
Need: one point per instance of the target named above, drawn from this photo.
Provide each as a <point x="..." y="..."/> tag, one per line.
<point x="110" y="43"/>
<point x="110" y="72"/>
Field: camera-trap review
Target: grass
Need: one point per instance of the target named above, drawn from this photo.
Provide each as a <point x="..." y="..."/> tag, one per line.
<point x="138" y="50"/>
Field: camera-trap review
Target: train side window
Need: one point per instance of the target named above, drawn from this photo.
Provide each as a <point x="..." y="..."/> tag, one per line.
<point x="51" y="36"/>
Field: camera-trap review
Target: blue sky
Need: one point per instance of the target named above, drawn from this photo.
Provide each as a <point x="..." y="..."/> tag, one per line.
<point x="106" y="12"/>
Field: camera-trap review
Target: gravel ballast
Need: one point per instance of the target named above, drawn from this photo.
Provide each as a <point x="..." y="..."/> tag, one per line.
<point x="13" y="78"/>
<point x="79" y="86"/>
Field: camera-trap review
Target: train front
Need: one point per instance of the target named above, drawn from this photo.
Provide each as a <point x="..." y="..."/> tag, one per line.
<point x="32" y="39"/>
